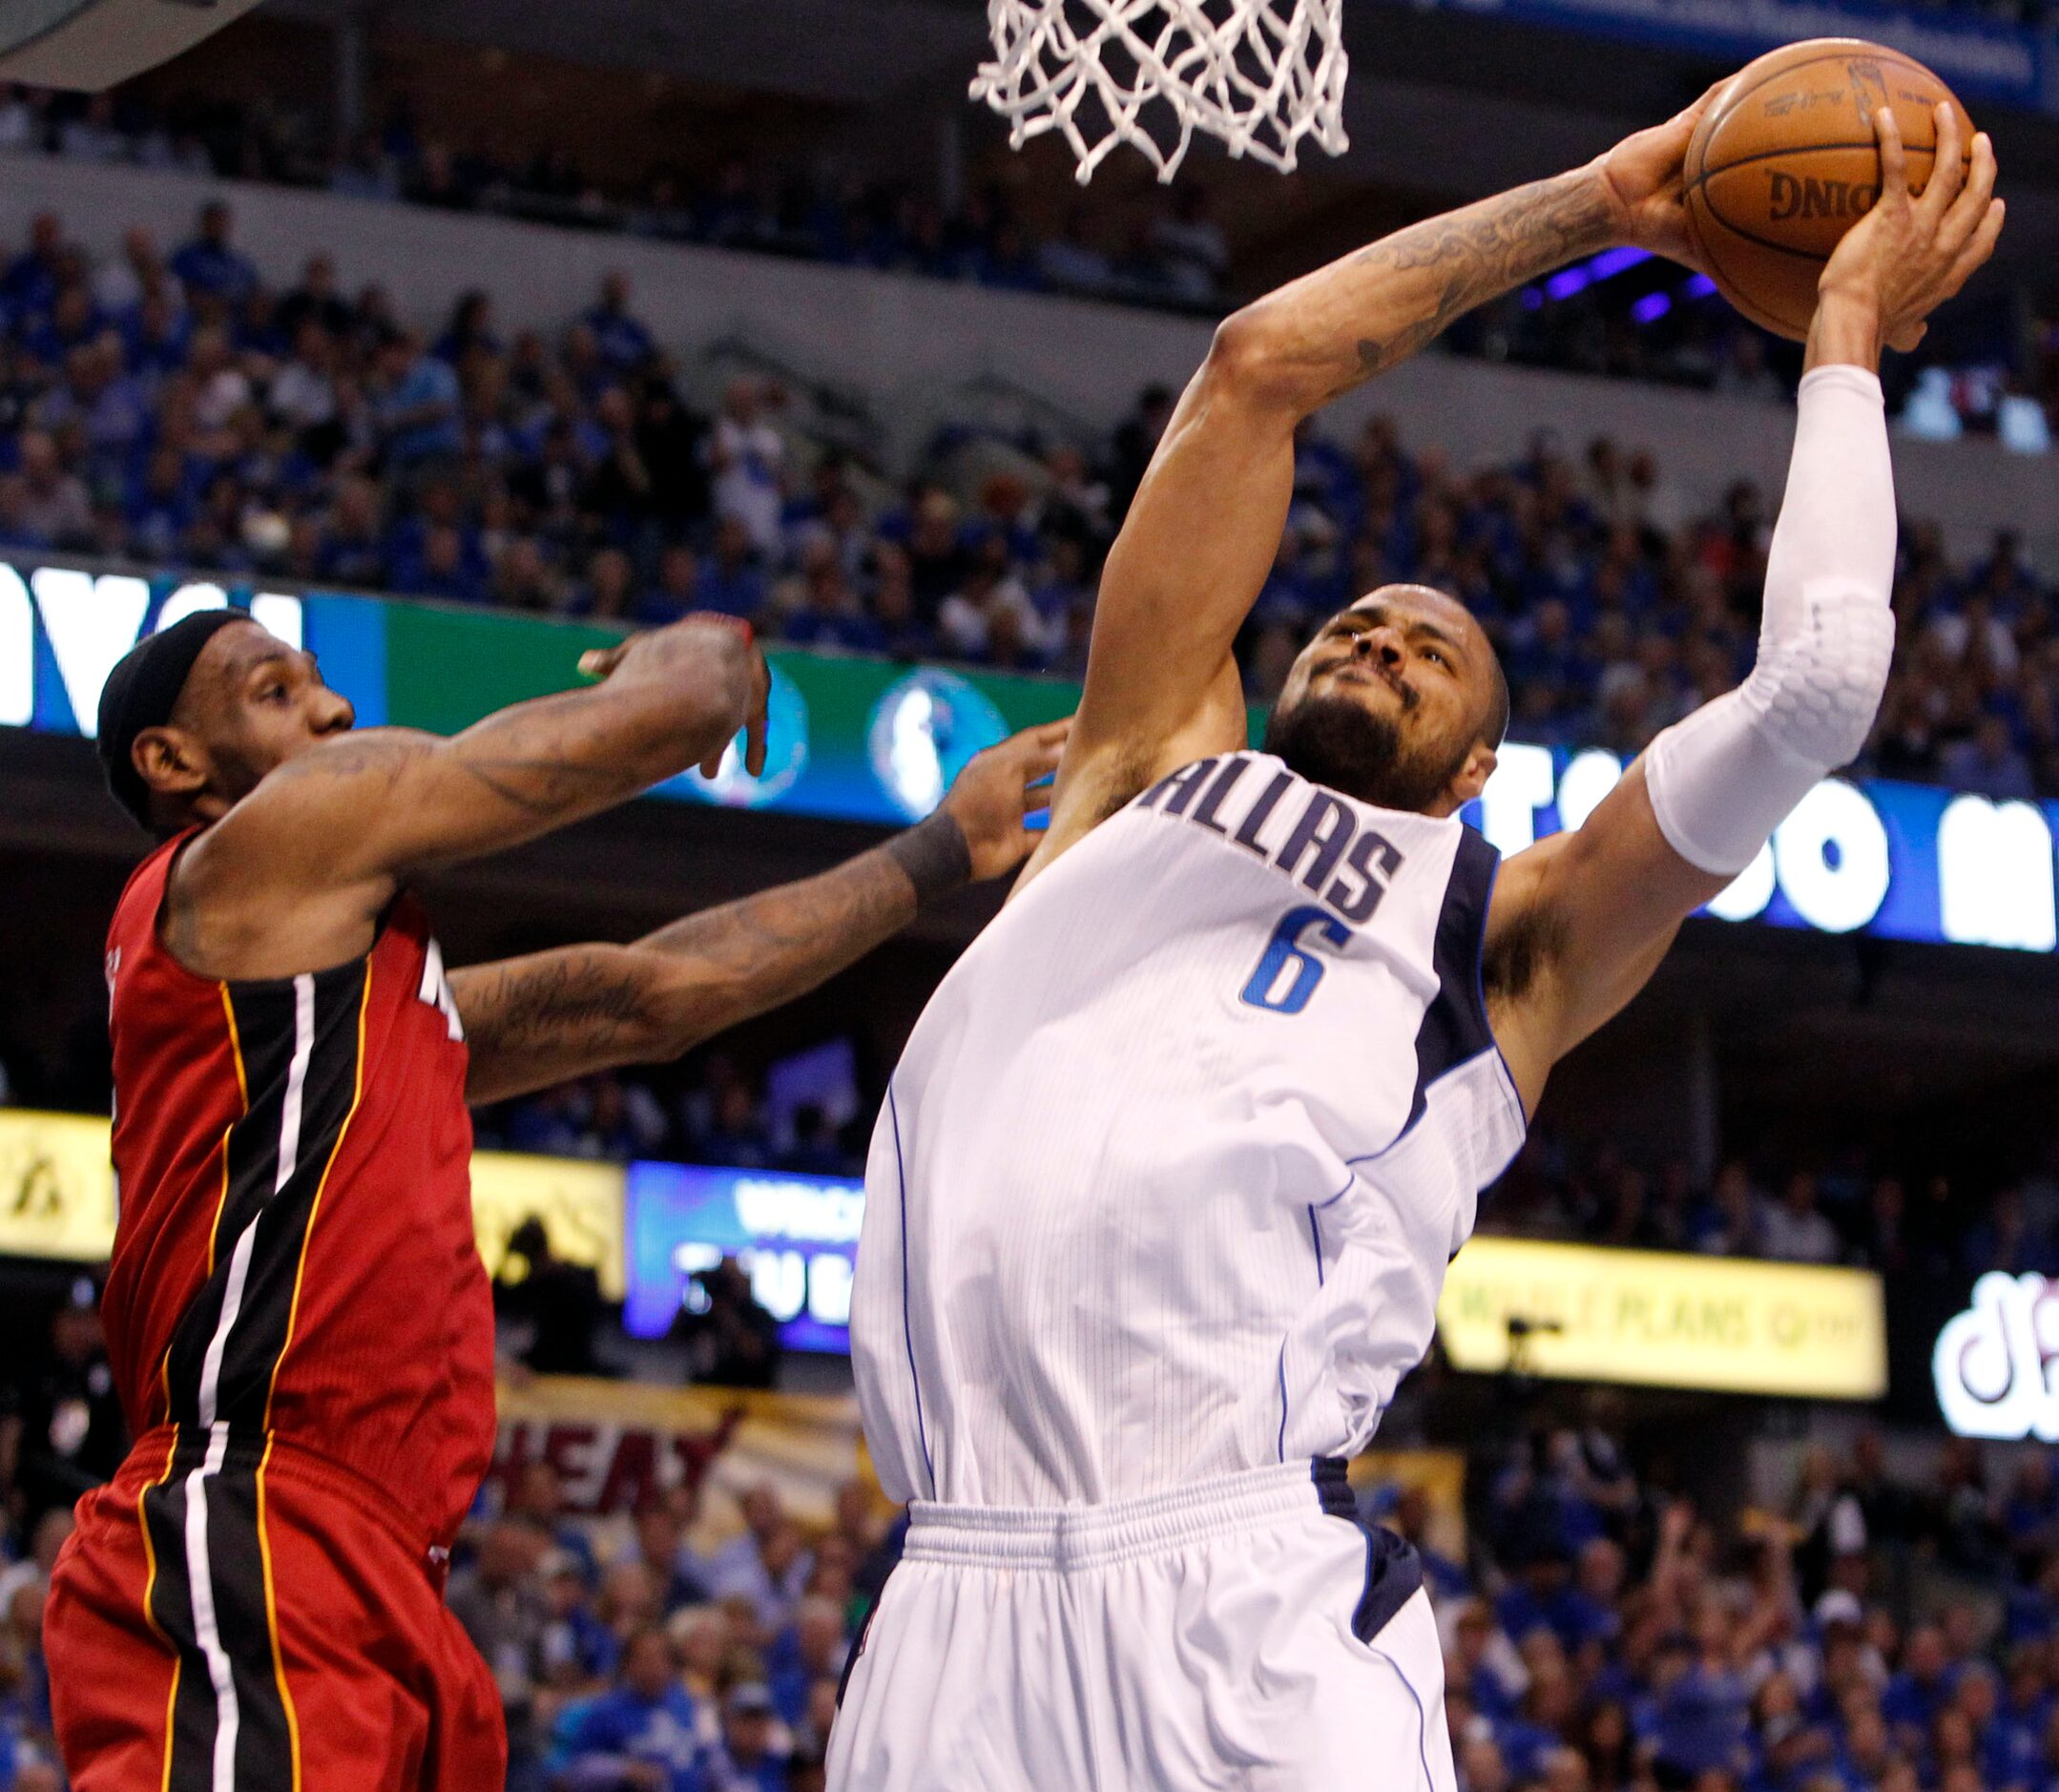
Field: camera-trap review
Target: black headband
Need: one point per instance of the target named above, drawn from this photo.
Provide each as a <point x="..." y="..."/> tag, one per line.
<point x="143" y="691"/>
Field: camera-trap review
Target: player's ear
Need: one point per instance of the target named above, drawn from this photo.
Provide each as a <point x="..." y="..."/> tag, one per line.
<point x="166" y="759"/>
<point x="1473" y="775"/>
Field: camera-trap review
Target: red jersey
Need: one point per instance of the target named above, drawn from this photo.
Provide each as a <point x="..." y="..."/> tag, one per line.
<point x="294" y="1259"/>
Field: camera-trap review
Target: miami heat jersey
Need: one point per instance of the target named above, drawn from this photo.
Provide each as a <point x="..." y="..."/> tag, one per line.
<point x="294" y="1259"/>
<point x="1167" y="1179"/>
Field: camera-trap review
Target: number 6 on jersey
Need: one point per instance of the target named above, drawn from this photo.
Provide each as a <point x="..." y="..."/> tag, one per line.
<point x="1285" y="948"/>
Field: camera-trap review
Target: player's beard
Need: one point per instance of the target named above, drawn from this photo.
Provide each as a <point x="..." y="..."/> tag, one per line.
<point x="1335" y="741"/>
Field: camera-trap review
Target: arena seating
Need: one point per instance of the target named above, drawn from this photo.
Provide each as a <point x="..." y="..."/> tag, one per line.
<point x="1178" y="256"/>
<point x="175" y="412"/>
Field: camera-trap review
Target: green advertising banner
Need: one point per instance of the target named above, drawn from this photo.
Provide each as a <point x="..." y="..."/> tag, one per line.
<point x="851" y="739"/>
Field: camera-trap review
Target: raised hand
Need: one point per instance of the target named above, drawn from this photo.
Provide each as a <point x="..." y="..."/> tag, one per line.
<point x="998" y="788"/>
<point x="1645" y="179"/>
<point x="1910" y="254"/>
<point x="701" y="627"/>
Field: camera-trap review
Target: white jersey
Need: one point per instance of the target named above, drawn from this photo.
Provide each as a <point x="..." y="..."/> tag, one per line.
<point x="1167" y="1179"/>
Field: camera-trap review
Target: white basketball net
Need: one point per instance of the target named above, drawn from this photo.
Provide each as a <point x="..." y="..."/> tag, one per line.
<point x="1260" y="74"/>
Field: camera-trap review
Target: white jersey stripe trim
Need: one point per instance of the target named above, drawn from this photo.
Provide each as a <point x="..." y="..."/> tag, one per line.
<point x="207" y="1633"/>
<point x="246" y="1242"/>
<point x="303" y="1045"/>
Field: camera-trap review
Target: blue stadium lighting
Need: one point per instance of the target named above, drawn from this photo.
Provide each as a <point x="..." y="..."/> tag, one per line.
<point x="1606" y="265"/>
<point x="1610" y="263"/>
<point x="1699" y="287"/>
<point x="1652" y="306"/>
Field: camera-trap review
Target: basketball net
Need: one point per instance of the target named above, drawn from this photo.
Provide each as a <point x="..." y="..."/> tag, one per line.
<point x="1259" y="75"/>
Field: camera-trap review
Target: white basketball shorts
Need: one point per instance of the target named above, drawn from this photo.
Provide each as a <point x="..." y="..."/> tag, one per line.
<point x="1241" y="1633"/>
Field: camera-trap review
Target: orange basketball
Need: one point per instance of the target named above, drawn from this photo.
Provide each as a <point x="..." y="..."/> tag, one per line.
<point x="1783" y="163"/>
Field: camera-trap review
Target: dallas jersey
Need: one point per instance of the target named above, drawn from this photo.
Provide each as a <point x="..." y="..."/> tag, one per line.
<point x="1167" y="1179"/>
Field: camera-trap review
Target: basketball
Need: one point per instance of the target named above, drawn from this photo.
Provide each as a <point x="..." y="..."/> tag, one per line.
<point x="1784" y="162"/>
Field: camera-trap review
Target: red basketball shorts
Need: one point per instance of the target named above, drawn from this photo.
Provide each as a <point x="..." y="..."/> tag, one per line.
<point x="242" y="1616"/>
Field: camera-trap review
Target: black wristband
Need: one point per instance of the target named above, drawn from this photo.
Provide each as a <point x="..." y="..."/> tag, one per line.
<point x="935" y="856"/>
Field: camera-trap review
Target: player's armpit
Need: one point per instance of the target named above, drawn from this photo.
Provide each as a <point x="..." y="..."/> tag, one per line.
<point x="1578" y="924"/>
<point x="1094" y="781"/>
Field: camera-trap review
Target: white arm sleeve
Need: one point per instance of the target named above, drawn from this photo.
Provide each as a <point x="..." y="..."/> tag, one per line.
<point x="1722" y="780"/>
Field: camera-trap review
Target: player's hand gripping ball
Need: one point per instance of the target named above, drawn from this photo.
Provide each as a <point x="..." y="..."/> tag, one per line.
<point x="1785" y="160"/>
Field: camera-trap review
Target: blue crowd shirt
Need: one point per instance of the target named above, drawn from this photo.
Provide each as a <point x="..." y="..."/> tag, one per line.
<point x="625" y="1724"/>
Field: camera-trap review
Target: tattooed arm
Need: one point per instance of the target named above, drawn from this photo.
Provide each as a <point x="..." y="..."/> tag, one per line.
<point x="532" y="1022"/>
<point x="1200" y="537"/>
<point x="535" y="1021"/>
<point x="297" y="872"/>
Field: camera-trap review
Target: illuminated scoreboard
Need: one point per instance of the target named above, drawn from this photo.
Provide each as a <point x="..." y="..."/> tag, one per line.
<point x="796" y="1238"/>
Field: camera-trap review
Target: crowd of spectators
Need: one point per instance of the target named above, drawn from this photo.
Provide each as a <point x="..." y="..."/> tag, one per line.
<point x="1164" y="250"/>
<point x="1168" y="253"/>
<point x="651" y="1651"/>
<point x="173" y="410"/>
<point x="1875" y="1631"/>
<point x="1849" y="1209"/>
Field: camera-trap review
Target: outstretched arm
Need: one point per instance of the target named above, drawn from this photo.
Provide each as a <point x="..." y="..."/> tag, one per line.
<point x="389" y="801"/>
<point x="534" y="1021"/>
<point x="1580" y="921"/>
<point x="298" y="871"/>
<point x="1200" y="539"/>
